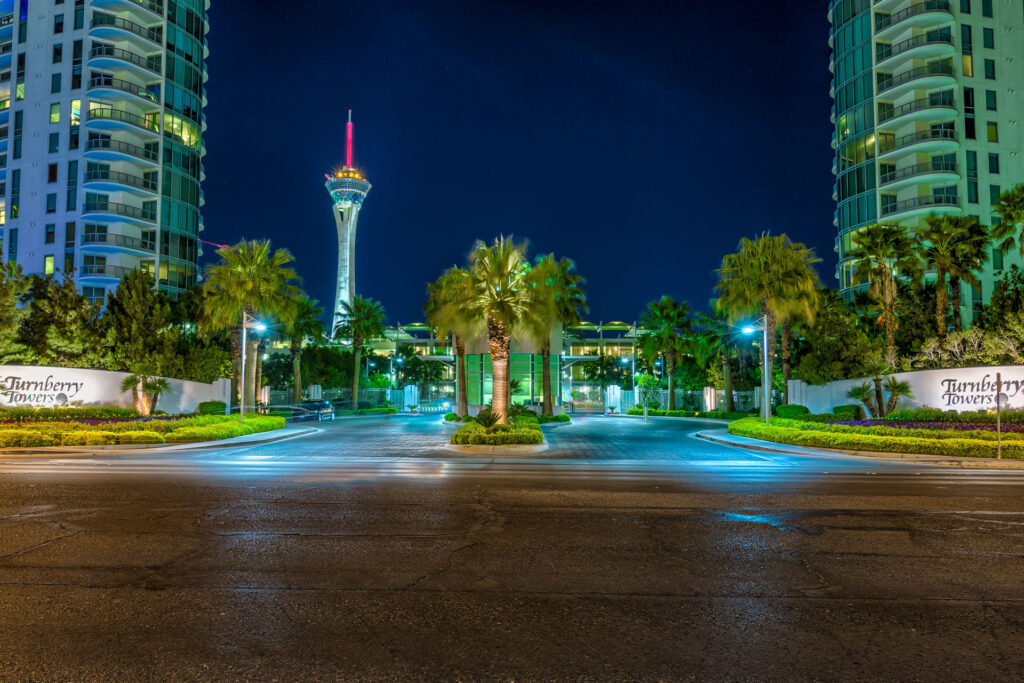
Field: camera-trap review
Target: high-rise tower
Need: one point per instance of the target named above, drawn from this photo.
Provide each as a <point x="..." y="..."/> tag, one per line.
<point x="928" y="118"/>
<point x="348" y="188"/>
<point x="101" y="153"/>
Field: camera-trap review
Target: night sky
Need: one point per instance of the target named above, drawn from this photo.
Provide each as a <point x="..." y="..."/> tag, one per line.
<point x="641" y="139"/>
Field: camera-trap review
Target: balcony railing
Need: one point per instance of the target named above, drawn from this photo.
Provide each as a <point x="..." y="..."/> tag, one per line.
<point x="7" y="19"/>
<point x="151" y="5"/>
<point x="123" y="148"/>
<point x="918" y="169"/>
<point x="111" y="114"/>
<point x="939" y="69"/>
<point x="919" y="203"/>
<point x="914" y="138"/>
<point x="121" y="210"/>
<point x="884" y="21"/>
<point x="115" y="240"/>
<point x="124" y="86"/>
<point x="103" y="270"/>
<point x="121" y="179"/>
<point x="938" y="100"/>
<point x="5" y="48"/>
<point x="887" y="51"/>
<point x="154" y="35"/>
<point x="150" y="63"/>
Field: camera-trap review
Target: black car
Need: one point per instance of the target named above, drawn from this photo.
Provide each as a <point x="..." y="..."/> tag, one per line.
<point x="320" y="411"/>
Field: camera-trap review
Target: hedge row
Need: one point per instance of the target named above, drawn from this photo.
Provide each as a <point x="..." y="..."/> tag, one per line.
<point x="937" y="415"/>
<point x="57" y="413"/>
<point x="879" y="428"/>
<point x="210" y="428"/>
<point x="817" y="438"/>
<point x="366" y="411"/>
<point x="713" y="414"/>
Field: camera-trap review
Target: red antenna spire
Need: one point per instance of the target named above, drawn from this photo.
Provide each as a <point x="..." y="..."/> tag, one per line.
<point x="348" y="140"/>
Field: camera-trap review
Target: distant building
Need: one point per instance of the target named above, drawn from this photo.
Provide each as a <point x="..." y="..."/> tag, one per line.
<point x="101" y="114"/>
<point x="348" y="188"/>
<point x="928" y="115"/>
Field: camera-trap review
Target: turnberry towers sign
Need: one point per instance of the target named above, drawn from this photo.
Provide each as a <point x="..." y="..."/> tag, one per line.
<point x="16" y="390"/>
<point x="24" y="386"/>
<point x="959" y="389"/>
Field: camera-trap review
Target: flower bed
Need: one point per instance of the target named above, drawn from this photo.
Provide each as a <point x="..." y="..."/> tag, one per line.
<point x="886" y="439"/>
<point x="523" y="431"/>
<point x="132" y="431"/>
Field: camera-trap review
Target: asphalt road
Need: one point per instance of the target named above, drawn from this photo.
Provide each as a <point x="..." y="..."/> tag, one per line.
<point x="625" y="552"/>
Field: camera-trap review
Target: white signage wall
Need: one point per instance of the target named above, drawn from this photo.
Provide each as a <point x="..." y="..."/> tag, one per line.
<point x="959" y="389"/>
<point x="30" y="386"/>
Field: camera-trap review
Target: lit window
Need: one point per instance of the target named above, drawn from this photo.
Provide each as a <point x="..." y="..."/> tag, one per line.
<point x="993" y="131"/>
<point x="55" y="112"/>
<point x="48" y="265"/>
<point x="968" y="65"/>
<point x="76" y="112"/>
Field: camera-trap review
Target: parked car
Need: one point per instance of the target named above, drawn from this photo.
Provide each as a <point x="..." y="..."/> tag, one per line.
<point x="321" y="411"/>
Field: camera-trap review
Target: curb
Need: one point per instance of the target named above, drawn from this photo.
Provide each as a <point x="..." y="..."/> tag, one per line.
<point x="42" y="451"/>
<point x="916" y="458"/>
<point x="524" y="449"/>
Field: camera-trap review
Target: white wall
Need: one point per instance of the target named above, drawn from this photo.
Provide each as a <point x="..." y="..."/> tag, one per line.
<point x="958" y="389"/>
<point x="26" y="385"/>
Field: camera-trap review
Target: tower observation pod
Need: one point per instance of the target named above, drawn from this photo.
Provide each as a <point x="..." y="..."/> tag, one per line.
<point x="348" y="188"/>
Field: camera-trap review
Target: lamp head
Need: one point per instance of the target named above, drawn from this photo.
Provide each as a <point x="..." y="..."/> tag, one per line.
<point x="749" y="330"/>
<point x="259" y="327"/>
<point x="625" y="361"/>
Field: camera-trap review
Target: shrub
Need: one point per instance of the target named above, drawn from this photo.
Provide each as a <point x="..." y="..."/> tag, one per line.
<point x="487" y="418"/>
<point x="25" y="438"/>
<point x="451" y="417"/>
<point x="524" y="421"/>
<point x="468" y="418"/>
<point x="855" y="409"/>
<point x="212" y="408"/>
<point x="88" y="438"/>
<point x="544" y="419"/>
<point x="140" y="437"/>
<point x="377" y="411"/>
<point x="500" y="435"/>
<point x="791" y="410"/>
<point x="57" y="413"/>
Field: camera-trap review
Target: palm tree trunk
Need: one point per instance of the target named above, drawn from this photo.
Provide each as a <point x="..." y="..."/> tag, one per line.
<point x="958" y="320"/>
<point x="771" y="326"/>
<point x="296" y="371"/>
<point x="498" y="341"/>
<point x="545" y="359"/>
<point x="236" y="362"/>
<point x="669" y="368"/>
<point x="787" y="352"/>
<point x="941" y="304"/>
<point x="258" y="384"/>
<point x="460" y="352"/>
<point x="730" y="400"/>
<point x="889" y="318"/>
<point x="878" y="396"/>
<point x="250" y="372"/>
<point x="357" y="350"/>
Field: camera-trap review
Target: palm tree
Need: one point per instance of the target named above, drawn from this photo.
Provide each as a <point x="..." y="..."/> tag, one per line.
<point x="881" y="253"/>
<point x="771" y="276"/>
<point x="557" y="301"/>
<point x="665" y="322"/>
<point x="939" y="246"/>
<point x="864" y="394"/>
<point x="716" y="327"/>
<point x="362" y="320"/>
<point x="447" y="313"/>
<point x="249" y="280"/>
<point x="897" y="389"/>
<point x="500" y="294"/>
<point x="304" y="323"/>
<point x="1010" y="207"/>
<point x="802" y="310"/>
<point x="969" y="258"/>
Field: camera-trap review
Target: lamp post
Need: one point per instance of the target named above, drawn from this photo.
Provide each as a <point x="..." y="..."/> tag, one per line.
<point x="391" y="368"/>
<point x="750" y="329"/>
<point x="632" y="363"/>
<point x="247" y="322"/>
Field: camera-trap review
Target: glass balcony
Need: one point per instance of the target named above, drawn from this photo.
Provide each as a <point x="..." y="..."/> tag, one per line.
<point x="931" y="171"/>
<point x="922" y="78"/>
<point x="150" y="94"/>
<point x="932" y="140"/>
<point x="117" y="116"/>
<point x="919" y="47"/>
<point x="920" y="205"/>
<point x="102" y="178"/>
<point x="101" y="55"/>
<point x="114" y="211"/>
<point x="115" y="242"/>
<point x="102" y="271"/>
<point x="104" y="25"/>
<point x="921" y="108"/>
<point x="927" y="14"/>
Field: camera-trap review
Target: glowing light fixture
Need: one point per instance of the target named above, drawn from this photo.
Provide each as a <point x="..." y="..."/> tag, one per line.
<point x="348" y="140"/>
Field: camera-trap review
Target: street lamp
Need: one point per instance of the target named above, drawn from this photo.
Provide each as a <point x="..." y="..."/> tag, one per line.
<point x="248" y="322"/>
<point x="391" y="367"/>
<point x="632" y="362"/>
<point x="750" y="329"/>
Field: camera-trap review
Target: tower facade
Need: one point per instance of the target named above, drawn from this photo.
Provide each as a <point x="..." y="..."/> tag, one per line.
<point x="348" y="188"/>
<point x="101" y="127"/>
<point x="928" y="114"/>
